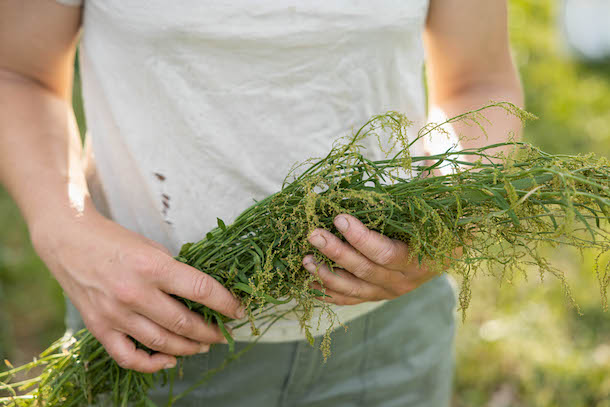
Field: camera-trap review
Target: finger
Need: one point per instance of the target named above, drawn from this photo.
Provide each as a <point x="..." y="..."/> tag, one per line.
<point x="351" y="260"/>
<point x="333" y="297"/>
<point x="175" y="317"/>
<point x="344" y="282"/>
<point x="158" y="338"/>
<point x="123" y="350"/>
<point x="188" y="282"/>
<point x="376" y="247"/>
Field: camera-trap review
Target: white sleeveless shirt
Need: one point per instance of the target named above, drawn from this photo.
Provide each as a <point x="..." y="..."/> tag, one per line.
<point x="195" y="107"/>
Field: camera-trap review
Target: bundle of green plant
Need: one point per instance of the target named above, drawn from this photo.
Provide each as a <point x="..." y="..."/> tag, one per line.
<point x="499" y="210"/>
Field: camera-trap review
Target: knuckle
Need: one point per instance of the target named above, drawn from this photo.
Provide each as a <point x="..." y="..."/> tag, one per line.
<point x="123" y="359"/>
<point x="157" y="342"/>
<point x="181" y="324"/>
<point x="360" y="237"/>
<point x="386" y="255"/>
<point x="335" y="251"/>
<point x="149" y="265"/>
<point x="364" y="270"/>
<point x="140" y="262"/>
<point x="354" y="291"/>
<point x="126" y="294"/>
<point x="203" y="286"/>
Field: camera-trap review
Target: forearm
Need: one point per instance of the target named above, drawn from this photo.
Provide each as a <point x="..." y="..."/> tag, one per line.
<point x="469" y="64"/>
<point x="40" y="151"/>
<point x="499" y="125"/>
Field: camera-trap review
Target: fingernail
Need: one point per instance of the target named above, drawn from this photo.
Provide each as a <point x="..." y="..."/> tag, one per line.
<point x="310" y="266"/>
<point x="204" y="348"/>
<point x="341" y="223"/>
<point x="318" y="241"/>
<point x="170" y="365"/>
<point x="241" y="313"/>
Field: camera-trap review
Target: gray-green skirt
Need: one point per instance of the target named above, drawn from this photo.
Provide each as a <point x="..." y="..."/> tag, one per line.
<point x="400" y="354"/>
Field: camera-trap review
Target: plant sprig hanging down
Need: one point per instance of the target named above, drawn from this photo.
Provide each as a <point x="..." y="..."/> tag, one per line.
<point x="500" y="210"/>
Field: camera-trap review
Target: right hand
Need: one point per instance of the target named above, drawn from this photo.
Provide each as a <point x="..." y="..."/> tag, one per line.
<point x="121" y="283"/>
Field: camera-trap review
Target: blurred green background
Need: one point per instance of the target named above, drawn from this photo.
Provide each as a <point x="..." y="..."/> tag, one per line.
<point x="521" y="344"/>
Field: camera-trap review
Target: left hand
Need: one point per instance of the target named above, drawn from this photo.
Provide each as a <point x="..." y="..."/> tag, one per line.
<point x="373" y="266"/>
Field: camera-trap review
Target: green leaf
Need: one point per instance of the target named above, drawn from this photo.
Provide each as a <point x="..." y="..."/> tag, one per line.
<point x="435" y="165"/>
<point x="233" y="269"/>
<point x="241" y="275"/>
<point x="274" y="301"/>
<point x="185" y="247"/>
<point x="503" y="204"/>
<point x="318" y="293"/>
<point x="277" y="263"/>
<point x="259" y="251"/>
<point x="584" y="221"/>
<point x="247" y="289"/>
<point x="243" y="287"/>
<point x="221" y="224"/>
<point x="225" y="333"/>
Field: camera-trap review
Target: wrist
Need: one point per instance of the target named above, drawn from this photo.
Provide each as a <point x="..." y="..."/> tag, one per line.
<point x="54" y="226"/>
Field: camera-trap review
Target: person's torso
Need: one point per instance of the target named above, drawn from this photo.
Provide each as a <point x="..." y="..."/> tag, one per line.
<point x="195" y="108"/>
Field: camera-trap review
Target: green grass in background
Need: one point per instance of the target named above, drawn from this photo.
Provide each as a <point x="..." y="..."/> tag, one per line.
<point x="30" y="301"/>
<point x="571" y="98"/>
<point x="521" y="345"/>
<point x="524" y="345"/>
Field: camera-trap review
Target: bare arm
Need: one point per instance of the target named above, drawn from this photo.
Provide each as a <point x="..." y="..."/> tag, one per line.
<point x="120" y="281"/>
<point x="37" y="125"/>
<point x="469" y="64"/>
